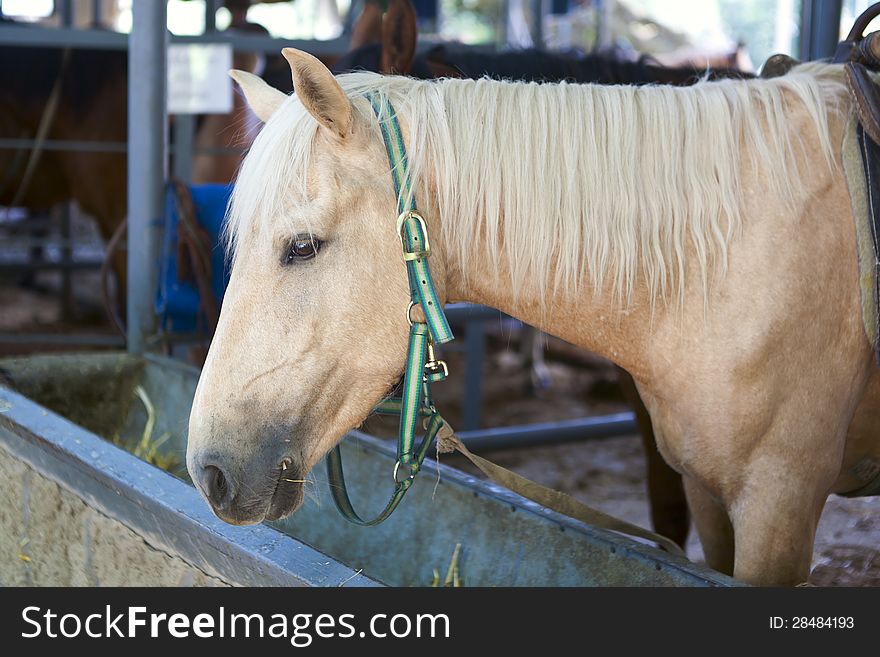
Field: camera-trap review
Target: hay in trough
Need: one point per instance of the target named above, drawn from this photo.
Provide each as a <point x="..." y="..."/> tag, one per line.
<point x="147" y="448"/>
<point x="453" y="577"/>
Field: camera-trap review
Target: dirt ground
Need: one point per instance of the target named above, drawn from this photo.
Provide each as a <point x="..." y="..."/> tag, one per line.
<point x="607" y="473"/>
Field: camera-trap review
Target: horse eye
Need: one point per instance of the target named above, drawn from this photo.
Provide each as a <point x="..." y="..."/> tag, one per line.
<point x="302" y="248"/>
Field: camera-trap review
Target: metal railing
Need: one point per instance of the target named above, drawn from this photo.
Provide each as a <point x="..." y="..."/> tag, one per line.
<point x="97" y="39"/>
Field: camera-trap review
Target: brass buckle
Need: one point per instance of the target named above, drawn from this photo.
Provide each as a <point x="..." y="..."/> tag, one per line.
<point x="432" y="365"/>
<point x="401" y="220"/>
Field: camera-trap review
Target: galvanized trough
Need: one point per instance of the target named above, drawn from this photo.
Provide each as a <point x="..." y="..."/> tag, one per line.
<point x="78" y="509"/>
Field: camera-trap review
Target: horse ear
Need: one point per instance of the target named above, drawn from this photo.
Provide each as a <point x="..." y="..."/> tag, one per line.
<point x="262" y="98"/>
<point x="399" y="35"/>
<point x="319" y="92"/>
<point x="368" y="27"/>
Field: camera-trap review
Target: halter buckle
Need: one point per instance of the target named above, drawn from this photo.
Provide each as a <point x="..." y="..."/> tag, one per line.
<point x="425" y="251"/>
<point x="432" y="365"/>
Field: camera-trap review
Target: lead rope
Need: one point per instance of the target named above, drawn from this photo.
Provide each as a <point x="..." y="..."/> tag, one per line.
<point x="423" y="368"/>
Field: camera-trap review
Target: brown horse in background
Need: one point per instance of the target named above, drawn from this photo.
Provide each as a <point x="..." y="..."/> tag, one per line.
<point x="90" y="94"/>
<point x="237" y="130"/>
<point x="89" y="89"/>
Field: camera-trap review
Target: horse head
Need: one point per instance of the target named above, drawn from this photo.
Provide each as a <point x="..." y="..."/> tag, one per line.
<point x="313" y="330"/>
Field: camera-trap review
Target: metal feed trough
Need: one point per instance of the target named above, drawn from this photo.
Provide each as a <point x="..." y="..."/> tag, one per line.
<point x="77" y="509"/>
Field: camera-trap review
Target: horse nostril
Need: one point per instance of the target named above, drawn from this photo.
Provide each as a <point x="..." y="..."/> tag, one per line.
<point x="216" y="485"/>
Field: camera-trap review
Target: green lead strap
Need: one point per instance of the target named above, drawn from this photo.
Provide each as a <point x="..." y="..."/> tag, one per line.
<point x="412" y="394"/>
<point x="410" y="407"/>
<point x="340" y="492"/>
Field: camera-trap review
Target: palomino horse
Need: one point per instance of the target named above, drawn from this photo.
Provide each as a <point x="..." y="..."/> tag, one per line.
<point x="388" y="43"/>
<point x="696" y="236"/>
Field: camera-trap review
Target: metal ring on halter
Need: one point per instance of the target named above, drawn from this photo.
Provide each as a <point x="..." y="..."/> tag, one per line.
<point x="411" y="476"/>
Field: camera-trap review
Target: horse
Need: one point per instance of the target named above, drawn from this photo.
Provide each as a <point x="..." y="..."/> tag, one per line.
<point x="698" y="237"/>
<point x="89" y="87"/>
<point x="388" y="43"/>
<point x="237" y="129"/>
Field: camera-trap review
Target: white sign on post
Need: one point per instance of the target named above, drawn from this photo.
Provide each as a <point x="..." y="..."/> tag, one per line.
<point x="198" y="78"/>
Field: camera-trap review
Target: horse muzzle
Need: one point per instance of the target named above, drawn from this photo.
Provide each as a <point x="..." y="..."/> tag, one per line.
<point x="264" y="489"/>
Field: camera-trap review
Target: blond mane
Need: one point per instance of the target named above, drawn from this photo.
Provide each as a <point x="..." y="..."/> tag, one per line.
<point x="586" y="181"/>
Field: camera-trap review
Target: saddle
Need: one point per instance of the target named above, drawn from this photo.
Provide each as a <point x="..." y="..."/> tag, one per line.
<point x="860" y="56"/>
<point x="860" y="153"/>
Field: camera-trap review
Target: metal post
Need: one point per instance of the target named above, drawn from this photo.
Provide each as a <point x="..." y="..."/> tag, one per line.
<point x="604" y="10"/>
<point x="538" y="23"/>
<point x="147" y="146"/>
<point x="805" y="40"/>
<point x="184" y="131"/>
<point x="542" y="434"/>
<point x="503" y="23"/>
<point x="67" y="257"/>
<point x="210" y="16"/>
<point x="428" y="15"/>
<point x="354" y="11"/>
<point x="475" y="351"/>
<point x="96" y="13"/>
<point x="65" y="11"/>
<point x="820" y="28"/>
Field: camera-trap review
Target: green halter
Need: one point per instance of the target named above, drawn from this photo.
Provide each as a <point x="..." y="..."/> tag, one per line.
<point x="422" y="368"/>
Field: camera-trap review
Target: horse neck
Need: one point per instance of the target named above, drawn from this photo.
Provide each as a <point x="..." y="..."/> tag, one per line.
<point x="612" y="320"/>
<point x="591" y="251"/>
<point x="588" y="318"/>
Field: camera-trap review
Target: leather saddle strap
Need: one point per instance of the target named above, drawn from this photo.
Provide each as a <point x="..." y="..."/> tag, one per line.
<point x="862" y="22"/>
<point x="866" y="97"/>
<point x="857" y="46"/>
